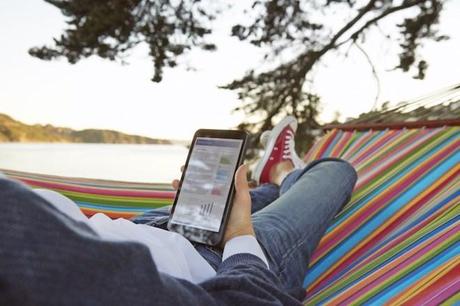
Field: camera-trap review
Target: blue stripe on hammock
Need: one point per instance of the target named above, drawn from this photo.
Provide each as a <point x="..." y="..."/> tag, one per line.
<point x="365" y="199"/>
<point x="376" y="268"/>
<point x="434" y="174"/>
<point x="103" y="207"/>
<point x="347" y="244"/>
<point x="402" y="284"/>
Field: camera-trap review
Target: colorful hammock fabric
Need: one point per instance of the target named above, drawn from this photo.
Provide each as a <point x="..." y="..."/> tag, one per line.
<point x="396" y="242"/>
<point x="115" y="199"/>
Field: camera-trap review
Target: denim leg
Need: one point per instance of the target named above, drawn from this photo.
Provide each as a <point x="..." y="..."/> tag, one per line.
<point x="291" y="227"/>
<point x="263" y="195"/>
<point x="157" y="217"/>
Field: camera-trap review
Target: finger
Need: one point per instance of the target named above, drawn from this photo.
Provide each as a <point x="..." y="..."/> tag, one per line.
<point x="242" y="197"/>
<point x="241" y="181"/>
<point x="175" y="184"/>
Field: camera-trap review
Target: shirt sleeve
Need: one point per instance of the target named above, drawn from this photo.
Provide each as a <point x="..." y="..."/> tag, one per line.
<point x="244" y="244"/>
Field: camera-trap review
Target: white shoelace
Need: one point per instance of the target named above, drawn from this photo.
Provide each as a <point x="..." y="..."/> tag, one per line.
<point x="288" y="148"/>
<point x="288" y="145"/>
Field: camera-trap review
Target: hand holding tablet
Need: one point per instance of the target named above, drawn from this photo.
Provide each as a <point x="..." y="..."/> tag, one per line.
<point x="205" y="192"/>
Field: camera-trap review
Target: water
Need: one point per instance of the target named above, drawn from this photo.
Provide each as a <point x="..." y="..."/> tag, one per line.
<point x="123" y="162"/>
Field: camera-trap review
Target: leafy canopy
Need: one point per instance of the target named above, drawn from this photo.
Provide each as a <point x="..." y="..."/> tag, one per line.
<point x="296" y="34"/>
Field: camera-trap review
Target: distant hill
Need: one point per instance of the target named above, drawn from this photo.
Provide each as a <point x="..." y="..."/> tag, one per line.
<point x="14" y="131"/>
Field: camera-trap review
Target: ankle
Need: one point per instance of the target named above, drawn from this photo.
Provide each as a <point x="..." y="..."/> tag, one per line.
<point x="280" y="171"/>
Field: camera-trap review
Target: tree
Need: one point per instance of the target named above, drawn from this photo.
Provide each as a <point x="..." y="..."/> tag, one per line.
<point x="295" y="30"/>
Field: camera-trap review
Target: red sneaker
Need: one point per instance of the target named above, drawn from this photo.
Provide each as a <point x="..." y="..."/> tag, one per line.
<point x="279" y="146"/>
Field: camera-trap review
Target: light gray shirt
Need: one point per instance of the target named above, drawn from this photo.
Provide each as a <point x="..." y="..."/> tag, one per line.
<point x="172" y="253"/>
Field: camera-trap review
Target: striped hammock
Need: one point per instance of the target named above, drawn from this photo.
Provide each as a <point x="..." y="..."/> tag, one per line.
<point x="115" y="199"/>
<point x="396" y="242"/>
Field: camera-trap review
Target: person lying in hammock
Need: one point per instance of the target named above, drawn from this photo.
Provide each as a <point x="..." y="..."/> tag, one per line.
<point x="51" y="254"/>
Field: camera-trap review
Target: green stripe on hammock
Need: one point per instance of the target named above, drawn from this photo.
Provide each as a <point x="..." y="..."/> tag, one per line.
<point x="395" y="242"/>
<point x="406" y="177"/>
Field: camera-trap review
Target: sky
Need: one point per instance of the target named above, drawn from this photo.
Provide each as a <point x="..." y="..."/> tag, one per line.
<point x="96" y="93"/>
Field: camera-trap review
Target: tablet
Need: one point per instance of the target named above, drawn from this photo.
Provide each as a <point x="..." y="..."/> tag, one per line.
<point x="204" y="198"/>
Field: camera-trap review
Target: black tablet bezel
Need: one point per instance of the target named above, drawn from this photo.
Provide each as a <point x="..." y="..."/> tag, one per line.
<point x="197" y="234"/>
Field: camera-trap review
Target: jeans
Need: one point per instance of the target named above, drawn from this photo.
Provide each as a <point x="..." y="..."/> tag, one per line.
<point x="289" y="220"/>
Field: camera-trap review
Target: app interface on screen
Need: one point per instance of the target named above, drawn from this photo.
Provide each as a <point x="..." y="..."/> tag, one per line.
<point x="206" y="184"/>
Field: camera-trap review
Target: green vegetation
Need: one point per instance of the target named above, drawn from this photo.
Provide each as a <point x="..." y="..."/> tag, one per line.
<point x="296" y="36"/>
<point x="14" y="131"/>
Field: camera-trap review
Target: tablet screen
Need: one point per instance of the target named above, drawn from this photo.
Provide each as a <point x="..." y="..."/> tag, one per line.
<point x="206" y="184"/>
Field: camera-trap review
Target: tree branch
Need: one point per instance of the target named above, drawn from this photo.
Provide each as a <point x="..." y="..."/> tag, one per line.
<point x="362" y="11"/>
<point x="374" y="72"/>
<point x="315" y="56"/>
<point x="312" y="57"/>
<point x="387" y="12"/>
